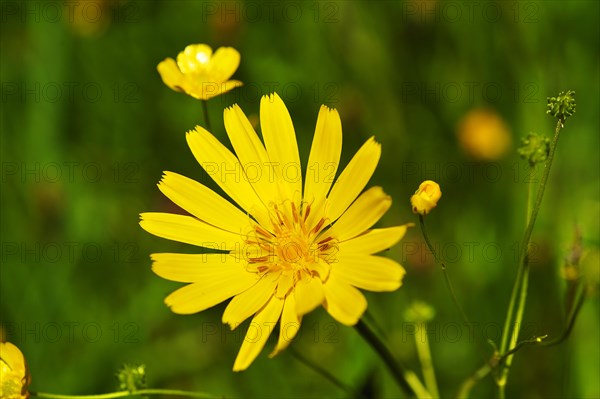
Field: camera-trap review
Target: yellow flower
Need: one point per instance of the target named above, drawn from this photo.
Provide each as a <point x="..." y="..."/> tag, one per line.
<point x="200" y="73"/>
<point x="14" y="376"/>
<point x="293" y="245"/>
<point x="483" y="135"/>
<point x="426" y="197"/>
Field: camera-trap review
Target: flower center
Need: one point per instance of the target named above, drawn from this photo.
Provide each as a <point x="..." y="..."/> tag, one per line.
<point x="290" y="245"/>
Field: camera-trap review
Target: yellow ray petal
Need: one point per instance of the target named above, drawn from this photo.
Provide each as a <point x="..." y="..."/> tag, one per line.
<point x="308" y="294"/>
<point x="171" y="75"/>
<point x="285" y="284"/>
<point x="250" y="301"/>
<point x="373" y="241"/>
<point x="252" y="154"/>
<point x="188" y="230"/>
<point x="372" y="273"/>
<point x="261" y="327"/>
<point x="189" y="268"/>
<point x="225" y="169"/>
<point x="343" y="302"/>
<point x="211" y="291"/>
<point x="353" y="179"/>
<point x="362" y="214"/>
<point x="289" y="325"/>
<point x="203" y="203"/>
<point x="324" y="155"/>
<point x="223" y="64"/>
<point x="280" y="142"/>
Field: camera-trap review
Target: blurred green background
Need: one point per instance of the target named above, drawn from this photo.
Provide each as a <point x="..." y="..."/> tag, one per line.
<point x="88" y="127"/>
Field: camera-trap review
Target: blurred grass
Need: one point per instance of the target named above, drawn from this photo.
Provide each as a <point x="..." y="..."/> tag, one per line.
<point x="75" y="262"/>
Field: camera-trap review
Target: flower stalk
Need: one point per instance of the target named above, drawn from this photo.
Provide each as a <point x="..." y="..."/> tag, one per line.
<point x="519" y="291"/>
<point x="205" y="114"/>
<point x="444" y="271"/>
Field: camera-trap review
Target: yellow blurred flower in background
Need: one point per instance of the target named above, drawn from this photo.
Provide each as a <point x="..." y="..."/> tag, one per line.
<point x="294" y="245"/>
<point x="483" y="135"/>
<point x="200" y="73"/>
<point x="14" y="376"/>
<point x="426" y="197"/>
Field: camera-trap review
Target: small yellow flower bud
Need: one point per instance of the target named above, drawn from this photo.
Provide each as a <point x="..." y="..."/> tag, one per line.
<point x="426" y="197"/>
<point x="14" y="376"/>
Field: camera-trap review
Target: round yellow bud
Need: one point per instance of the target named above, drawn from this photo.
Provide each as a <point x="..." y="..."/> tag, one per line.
<point x="14" y="377"/>
<point x="426" y="197"/>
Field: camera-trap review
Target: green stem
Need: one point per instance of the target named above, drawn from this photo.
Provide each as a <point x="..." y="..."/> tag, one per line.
<point x="519" y="289"/>
<point x="205" y="113"/>
<point x="124" y="394"/>
<point x="521" y="273"/>
<point x="522" y="296"/>
<point x="424" y="353"/>
<point x="319" y="370"/>
<point x="406" y="380"/>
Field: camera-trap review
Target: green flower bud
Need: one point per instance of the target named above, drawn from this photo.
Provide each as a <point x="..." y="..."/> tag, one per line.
<point x="132" y="378"/>
<point x="562" y="106"/>
<point x="534" y="148"/>
<point x="419" y="312"/>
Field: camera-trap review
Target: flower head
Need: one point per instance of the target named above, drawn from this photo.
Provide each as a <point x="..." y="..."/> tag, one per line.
<point x="14" y="376"/>
<point x="291" y="244"/>
<point x="562" y="106"/>
<point x="534" y="148"/>
<point x="200" y="73"/>
<point x="132" y="377"/>
<point x="426" y="197"/>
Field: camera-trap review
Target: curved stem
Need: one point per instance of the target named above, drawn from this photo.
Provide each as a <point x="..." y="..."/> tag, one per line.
<point x="405" y="379"/>
<point x="124" y="394"/>
<point x="444" y="271"/>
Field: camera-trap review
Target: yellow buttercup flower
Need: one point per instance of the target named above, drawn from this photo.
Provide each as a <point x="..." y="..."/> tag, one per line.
<point x="426" y="197"/>
<point x="14" y="376"/>
<point x="483" y="135"/>
<point x="200" y="73"/>
<point x="294" y="245"/>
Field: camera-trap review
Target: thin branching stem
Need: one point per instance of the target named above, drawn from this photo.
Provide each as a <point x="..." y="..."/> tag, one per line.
<point x="500" y="360"/>
<point x="519" y="290"/>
